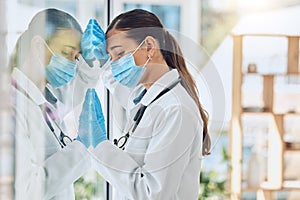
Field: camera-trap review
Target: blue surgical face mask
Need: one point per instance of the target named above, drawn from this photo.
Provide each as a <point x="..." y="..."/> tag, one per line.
<point x="60" y="70"/>
<point x="126" y="72"/>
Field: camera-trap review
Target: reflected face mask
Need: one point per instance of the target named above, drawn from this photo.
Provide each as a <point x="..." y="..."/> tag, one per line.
<point x="126" y="72"/>
<point x="60" y="70"/>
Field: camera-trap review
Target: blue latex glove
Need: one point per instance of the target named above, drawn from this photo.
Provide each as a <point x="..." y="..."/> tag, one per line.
<point x="93" y="44"/>
<point x="91" y="121"/>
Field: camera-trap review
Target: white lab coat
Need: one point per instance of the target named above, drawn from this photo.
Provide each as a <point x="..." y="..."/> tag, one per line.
<point x="43" y="169"/>
<point x="162" y="158"/>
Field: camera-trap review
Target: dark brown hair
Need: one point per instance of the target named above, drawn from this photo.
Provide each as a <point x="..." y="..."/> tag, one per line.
<point x="139" y="24"/>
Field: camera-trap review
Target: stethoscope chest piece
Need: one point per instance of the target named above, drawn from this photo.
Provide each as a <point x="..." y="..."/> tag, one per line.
<point x="121" y="141"/>
<point x="65" y="139"/>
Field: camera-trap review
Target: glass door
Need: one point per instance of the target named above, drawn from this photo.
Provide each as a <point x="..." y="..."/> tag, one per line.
<point x="32" y="163"/>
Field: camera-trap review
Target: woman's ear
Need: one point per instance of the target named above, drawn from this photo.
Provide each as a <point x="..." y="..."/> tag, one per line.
<point x="37" y="43"/>
<point x="151" y="45"/>
<point x="38" y="48"/>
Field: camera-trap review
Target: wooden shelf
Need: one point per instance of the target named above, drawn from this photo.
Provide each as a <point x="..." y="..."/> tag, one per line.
<point x="286" y="185"/>
<point x="291" y="185"/>
<point x="255" y="110"/>
<point x="276" y="144"/>
<point x="271" y="74"/>
<point x="291" y="113"/>
<point x="269" y="186"/>
<point x="259" y="111"/>
<point x="292" y="146"/>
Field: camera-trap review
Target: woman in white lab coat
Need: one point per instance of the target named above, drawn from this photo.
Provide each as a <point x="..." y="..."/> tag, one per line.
<point x="159" y="155"/>
<point x="46" y="161"/>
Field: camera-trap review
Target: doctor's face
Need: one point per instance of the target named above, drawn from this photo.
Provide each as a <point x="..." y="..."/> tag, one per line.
<point x="65" y="42"/>
<point x="118" y="45"/>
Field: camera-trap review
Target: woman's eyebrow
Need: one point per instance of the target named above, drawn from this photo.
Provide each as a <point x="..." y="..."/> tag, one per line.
<point x="70" y="46"/>
<point x="116" y="46"/>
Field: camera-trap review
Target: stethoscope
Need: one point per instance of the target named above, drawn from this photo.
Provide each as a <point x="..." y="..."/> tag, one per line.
<point x="63" y="139"/>
<point x="138" y="116"/>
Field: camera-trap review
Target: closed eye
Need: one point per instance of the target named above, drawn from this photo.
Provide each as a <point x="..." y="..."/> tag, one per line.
<point x="116" y="56"/>
<point x="65" y="53"/>
<point x="120" y="54"/>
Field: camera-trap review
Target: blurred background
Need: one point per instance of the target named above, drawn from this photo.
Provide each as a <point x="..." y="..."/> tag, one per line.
<point x="248" y="77"/>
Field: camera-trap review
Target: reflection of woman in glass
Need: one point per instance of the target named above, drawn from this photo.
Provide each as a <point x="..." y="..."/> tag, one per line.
<point x="47" y="52"/>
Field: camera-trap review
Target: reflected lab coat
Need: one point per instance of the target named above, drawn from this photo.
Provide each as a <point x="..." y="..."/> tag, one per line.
<point x="162" y="158"/>
<point x="43" y="169"/>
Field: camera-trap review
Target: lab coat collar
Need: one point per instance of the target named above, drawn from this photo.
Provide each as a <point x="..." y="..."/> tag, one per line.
<point x="25" y="84"/>
<point x="162" y="83"/>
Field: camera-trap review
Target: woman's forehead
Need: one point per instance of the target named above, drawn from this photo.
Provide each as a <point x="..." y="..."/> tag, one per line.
<point x="115" y="37"/>
<point x="70" y="37"/>
<point x="111" y="33"/>
<point x="73" y="33"/>
<point x="120" y="39"/>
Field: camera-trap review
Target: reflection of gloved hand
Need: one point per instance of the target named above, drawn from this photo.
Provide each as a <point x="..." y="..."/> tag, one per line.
<point x="91" y="121"/>
<point x="93" y="44"/>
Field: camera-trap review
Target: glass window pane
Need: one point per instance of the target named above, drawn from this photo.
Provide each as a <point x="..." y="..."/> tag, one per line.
<point x="168" y="14"/>
<point x="49" y="81"/>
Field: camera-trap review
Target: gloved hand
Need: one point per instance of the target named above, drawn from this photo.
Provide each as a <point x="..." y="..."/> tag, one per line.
<point x="91" y="121"/>
<point x="93" y="44"/>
